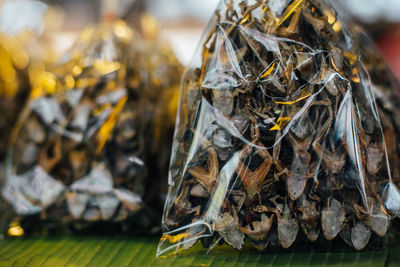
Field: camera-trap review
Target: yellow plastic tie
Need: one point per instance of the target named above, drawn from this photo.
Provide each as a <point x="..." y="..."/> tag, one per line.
<point x="356" y="77"/>
<point x="268" y="71"/>
<point x="291" y="8"/>
<point x="172" y="253"/>
<point x="330" y="16"/>
<point x="337" y="27"/>
<point x="104" y="67"/>
<point x="108" y="126"/>
<point x="46" y="84"/>
<point x="174" y="238"/>
<point x="281" y="122"/>
<point x="350" y="56"/>
<point x="244" y="19"/>
<point x="293" y="102"/>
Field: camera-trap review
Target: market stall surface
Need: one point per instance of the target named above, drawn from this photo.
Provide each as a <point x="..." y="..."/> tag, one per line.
<point x="140" y="251"/>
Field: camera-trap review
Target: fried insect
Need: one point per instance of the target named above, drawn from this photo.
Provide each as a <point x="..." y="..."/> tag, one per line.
<point x="252" y="180"/>
<point x="360" y="235"/>
<point x="287" y="228"/>
<point x="259" y="230"/>
<point x="332" y="218"/>
<point x="309" y="218"/>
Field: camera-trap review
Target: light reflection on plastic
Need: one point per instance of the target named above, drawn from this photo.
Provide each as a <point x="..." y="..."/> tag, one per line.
<point x="282" y="122"/>
<point x="15" y="230"/>
<point x="28" y="14"/>
<point x="174" y="238"/>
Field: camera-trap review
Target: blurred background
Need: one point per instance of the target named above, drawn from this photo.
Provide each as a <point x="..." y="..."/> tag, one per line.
<point x="182" y="21"/>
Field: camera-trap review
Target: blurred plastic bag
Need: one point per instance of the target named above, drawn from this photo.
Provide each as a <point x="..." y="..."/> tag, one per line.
<point x="81" y="147"/>
<point x="282" y="138"/>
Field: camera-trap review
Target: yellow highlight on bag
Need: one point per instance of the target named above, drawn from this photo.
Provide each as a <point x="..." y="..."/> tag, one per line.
<point x="174" y="238"/>
<point x="15" y="229"/>
<point x="282" y="121"/>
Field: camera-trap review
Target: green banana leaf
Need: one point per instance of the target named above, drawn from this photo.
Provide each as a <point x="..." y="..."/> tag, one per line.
<point x="140" y="251"/>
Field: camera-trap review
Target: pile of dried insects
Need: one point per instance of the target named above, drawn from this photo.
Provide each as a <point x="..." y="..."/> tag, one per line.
<point x="282" y="135"/>
<point x="81" y="151"/>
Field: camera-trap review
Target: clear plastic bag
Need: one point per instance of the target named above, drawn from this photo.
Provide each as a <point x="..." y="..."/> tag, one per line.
<point x="282" y="137"/>
<point x="82" y="153"/>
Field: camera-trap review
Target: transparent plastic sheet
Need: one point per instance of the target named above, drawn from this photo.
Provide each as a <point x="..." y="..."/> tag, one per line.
<point x="286" y="134"/>
<point x="82" y="152"/>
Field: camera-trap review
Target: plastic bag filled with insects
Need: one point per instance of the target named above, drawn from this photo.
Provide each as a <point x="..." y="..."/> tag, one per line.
<point x="82" y="149"/>
<point x="286" y="134"/>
